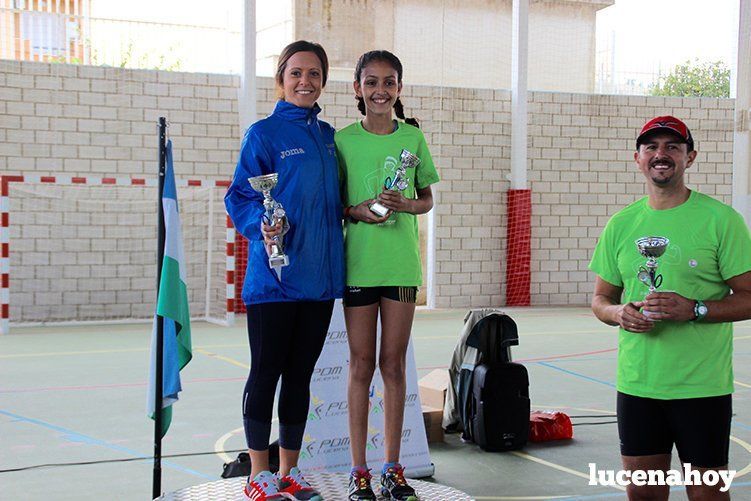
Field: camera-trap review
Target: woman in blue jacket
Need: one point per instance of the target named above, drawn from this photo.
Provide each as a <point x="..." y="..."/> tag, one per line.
<point x="289" y="313"/>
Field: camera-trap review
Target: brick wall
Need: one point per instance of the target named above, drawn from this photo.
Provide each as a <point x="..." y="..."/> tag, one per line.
<point x="95" y="121"/>
<point x="80" y="252"/>
<point x="582" y="171"/>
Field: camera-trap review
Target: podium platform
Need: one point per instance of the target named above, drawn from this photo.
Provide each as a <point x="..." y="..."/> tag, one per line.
<point x="332" y="486"/>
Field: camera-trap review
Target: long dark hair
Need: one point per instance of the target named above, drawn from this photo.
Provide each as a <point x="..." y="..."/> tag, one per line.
<point x="291" y="50"/>
<point x="386" y="57"/>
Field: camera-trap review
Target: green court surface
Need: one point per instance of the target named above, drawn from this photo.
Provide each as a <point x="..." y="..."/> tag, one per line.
<point x="77" y="394"/>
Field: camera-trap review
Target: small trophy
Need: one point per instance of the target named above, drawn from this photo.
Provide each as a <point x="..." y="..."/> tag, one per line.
<point x="399" y="182"/>
<point x="651" y="248"/>
<point x="274" y="214"/>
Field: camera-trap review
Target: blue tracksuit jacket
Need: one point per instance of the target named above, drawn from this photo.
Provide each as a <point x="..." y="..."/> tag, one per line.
<point x="294" y="143"/>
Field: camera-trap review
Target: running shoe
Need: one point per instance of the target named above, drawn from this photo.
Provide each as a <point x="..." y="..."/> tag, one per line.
<point x="296" y="487"/>
<point x="394" y="486"/>
<point x="359" y="486"/>
<point x="263" y="488"/>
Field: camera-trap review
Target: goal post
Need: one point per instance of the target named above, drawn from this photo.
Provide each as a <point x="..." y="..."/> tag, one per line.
<point x="83" y="249"/>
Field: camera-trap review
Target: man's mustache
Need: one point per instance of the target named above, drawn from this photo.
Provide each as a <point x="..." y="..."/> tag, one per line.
<point x="663" y="161"/>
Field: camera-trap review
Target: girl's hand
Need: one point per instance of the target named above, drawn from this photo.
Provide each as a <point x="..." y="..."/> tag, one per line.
<point x="395" y="201"/>
<point x="362" y="212"/>
<point x="269" y="232"/>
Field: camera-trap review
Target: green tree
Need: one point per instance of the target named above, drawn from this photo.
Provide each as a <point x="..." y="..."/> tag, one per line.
<point x="695" y="79"/>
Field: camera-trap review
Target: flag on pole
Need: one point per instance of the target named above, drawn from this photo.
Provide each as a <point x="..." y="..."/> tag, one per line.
<point x="172" y="305"/>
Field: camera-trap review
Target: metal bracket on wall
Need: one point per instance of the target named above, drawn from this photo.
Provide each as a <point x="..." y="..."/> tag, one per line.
<point x="742" y="120"/>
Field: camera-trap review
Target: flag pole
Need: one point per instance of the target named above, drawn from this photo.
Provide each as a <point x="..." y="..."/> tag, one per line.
<point x="158" y="383"/>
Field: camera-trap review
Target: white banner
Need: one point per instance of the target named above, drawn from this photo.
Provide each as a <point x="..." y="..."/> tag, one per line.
<point x="326" y="445"/>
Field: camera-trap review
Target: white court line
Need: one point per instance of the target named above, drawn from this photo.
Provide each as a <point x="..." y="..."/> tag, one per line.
<point x="558" y="467"/>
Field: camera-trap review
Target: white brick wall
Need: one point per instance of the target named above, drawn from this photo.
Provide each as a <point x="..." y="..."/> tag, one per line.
<point x="88" y="252"/>
<point x="592" y="175"/>
<point x="83" y="120"/>
<point x="92" y="121"/>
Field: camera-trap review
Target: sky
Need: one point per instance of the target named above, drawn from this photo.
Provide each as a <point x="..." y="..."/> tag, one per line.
<point x="639" y="38"/>
<point x="650" y="36"/>
<point x="195" y="12"/>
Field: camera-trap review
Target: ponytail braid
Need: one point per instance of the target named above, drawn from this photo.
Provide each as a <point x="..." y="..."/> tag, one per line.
<point x="399" y="110"/>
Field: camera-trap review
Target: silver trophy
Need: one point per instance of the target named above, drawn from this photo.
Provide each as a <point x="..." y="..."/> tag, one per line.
<point x="274" y="213"/>
<point x="651" y="248"/>
<point x="399" y="182"/>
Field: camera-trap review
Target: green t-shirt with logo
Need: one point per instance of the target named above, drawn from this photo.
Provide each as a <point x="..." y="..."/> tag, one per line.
<point x="386" y="254"/>
<point x="709" y="244"/>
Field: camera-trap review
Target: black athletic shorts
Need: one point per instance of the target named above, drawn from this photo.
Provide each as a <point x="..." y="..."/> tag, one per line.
<point x="699" y="428"/>
<point x="364" y="296"/>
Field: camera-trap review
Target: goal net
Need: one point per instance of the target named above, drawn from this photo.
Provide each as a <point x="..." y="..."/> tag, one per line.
<point x="87" y="252"/>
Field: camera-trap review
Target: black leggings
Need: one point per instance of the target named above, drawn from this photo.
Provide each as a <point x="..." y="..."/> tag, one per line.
<point x="286" y="339"/>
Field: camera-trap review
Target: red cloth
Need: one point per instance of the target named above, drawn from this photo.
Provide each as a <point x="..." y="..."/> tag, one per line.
<point x="549" y="425"/>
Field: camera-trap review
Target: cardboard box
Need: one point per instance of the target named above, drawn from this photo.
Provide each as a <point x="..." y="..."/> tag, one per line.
<point x="432" y="388"/>
<point x="433" y="418"/>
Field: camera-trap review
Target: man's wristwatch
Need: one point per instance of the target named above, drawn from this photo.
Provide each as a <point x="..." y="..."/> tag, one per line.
<point x="700" y="310"/>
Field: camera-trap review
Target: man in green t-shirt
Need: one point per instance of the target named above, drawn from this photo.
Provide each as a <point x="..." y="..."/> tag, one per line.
<point x="675" y="347"/>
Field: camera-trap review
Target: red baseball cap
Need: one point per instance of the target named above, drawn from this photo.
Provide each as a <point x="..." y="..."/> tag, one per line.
<point x="666" y="124"/>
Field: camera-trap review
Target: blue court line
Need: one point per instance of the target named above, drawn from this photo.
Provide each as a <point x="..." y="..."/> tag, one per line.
<point x="74" y="436"/>
<point x="740" y="425"/>
<point x="612" y="385"/>
<point x="583" y="359"/>
<point x="594" y="380"/>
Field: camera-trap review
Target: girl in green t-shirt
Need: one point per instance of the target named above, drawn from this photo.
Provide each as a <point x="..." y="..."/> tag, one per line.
<point x="382" y="254"/>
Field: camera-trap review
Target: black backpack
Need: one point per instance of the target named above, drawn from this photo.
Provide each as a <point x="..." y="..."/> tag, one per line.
<point x="240" y="467"/>
<point x="494" y="394"/>
<point x="500" y="406"/>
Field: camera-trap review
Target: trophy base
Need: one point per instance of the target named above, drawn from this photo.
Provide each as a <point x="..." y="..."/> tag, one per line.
<point x="378" y="209"/>
<point x="278" y="261"/>
<point x="650" y="315"/>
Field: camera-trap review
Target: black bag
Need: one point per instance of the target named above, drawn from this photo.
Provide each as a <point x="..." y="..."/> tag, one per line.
<point x="500" y="406"/>
<point x="240" y="467"/>
<point x="492" y="337"/>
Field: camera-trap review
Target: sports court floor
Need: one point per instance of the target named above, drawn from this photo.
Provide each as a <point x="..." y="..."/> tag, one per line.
<point x="77" y="395"/>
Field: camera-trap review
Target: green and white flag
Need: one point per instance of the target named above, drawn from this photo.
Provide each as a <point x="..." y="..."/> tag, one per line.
<point x="172" y="305"/>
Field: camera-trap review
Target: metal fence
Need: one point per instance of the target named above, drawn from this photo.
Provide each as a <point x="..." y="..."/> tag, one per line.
<point x="65" y="31"/>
